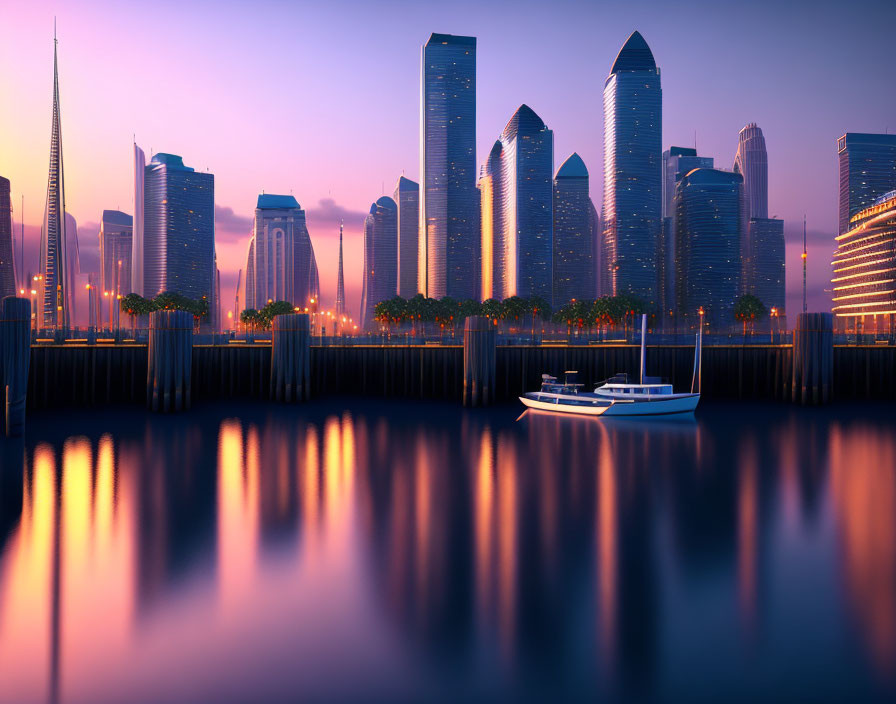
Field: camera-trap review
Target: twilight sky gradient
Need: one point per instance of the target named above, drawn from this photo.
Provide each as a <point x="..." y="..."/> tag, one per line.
<point x="322" y="99"/>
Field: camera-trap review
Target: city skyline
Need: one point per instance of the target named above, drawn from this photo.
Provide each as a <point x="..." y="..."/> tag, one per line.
<point x="574" y="117"/>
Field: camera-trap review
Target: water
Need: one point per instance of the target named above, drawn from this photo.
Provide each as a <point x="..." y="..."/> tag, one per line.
<point x="395" y="551"/>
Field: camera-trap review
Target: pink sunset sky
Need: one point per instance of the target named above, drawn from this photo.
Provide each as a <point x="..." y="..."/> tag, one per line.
<point x="321" y="100"/>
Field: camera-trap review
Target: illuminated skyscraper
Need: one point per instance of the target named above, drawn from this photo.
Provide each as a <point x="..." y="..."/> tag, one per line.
<point x="449" y="232"/>
<point x="282" y="265"/>
<point x="710" y="232"/>
<point x="632" y="203"/>
<point x="72" y="267"/>
<point x="867" y="171"/>
<point x="116" y="243"/>
<point x="7" y="264"/>
<point x="864" y="262"/>
<point x="751" y="162"/>
<point x="677" y="162"/>
<point x="407" y="198"/>
<point x="340" y="280"/>
<point x="53" y="310"/>
<point x="764" y="277"/>
<point x="137" y="248"/>
<point x="380" y="257"/>
<point x="574" y="270"/>
<point x="519" y="214"/>
<point x="178" y="230"/>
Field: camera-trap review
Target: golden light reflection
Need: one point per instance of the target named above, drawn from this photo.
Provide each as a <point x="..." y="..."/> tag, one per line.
<point x="747" y="520"/>
<point x="607" y="559"/>
<point x="863" y="487"/>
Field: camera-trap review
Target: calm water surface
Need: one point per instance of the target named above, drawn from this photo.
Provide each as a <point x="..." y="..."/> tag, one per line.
<point x="391" y="551"/>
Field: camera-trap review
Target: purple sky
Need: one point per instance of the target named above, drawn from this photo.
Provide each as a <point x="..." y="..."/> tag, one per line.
<point x="321" y="99"/>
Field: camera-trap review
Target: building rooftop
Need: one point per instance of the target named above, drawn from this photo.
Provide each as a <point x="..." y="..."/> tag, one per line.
<point x="709" y="177"/>
<point x="116" y="217"/>
<point x="172" y="161"/>
<point x="384" y="202"/>
<point x="405" y="184"/>
<point x="451" y="39"/>
<point x="524" y="120"/>
<point x="270" y="201"/>
<point x="682" y="151"/>
<point x="634" y="55"/>
<point x="573" y="167"/>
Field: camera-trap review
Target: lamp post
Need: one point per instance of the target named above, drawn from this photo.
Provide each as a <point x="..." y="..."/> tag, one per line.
<point x="774" y="320"/>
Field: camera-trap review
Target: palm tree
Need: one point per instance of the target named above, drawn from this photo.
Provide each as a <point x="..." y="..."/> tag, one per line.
<point x="748" y="309"/>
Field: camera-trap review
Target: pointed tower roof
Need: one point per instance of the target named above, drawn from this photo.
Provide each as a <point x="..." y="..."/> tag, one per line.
<point x="634" y="55"/>
<point x="524" y="120"/>
<point x="573" y="167"/>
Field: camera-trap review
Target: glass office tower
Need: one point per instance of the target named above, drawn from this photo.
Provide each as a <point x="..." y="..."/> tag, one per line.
<point x="380" y="281"/>
<point x="523" y="242"/>
<point x="632" y="205"/>
<point x="677" y="161"/>
<point x="7" y="265"/>
<point x="867" y="171"/>
<point x="765" y="277"/>
<point x="407" y="198"/>
<point x="116" y="252"/>
<point x="178" y="229"/>
<point x="751" y="162"/>
<point x="710" y="223"/>
<point x="449" y="231"/>
<point x="574" y="269"/>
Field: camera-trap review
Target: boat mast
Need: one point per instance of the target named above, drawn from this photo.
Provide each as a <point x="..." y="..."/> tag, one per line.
<point x="643" y="346"/>
<point x="696" y="379"/>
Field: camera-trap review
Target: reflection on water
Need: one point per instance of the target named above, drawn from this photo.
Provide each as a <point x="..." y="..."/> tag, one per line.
<point x="396" y="551"/>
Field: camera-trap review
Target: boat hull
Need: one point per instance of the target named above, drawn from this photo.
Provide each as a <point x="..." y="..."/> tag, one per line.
<point x="680" y="403"/>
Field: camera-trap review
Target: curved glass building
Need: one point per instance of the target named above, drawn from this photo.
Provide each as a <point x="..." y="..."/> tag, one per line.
<point x="407" y="198"/>
<point x="710" y="222"/>
<point x="449" y="222"/>
<point x="380" y="258"/>
<point x="864" y="280"/>
<point x="633" y="104"/>
<point x="751" y="162"/>
<point x="178" y="229"/>
<point x="573" y="264"/>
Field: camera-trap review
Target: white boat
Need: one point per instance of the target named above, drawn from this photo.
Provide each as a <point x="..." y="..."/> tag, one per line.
<point x="616" y="396"/>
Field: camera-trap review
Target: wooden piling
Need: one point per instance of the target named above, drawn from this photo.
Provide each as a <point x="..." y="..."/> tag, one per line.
<point x="15" y="359"/>
<point x="291" y="358"/>
<point x="813" y="358"/>
<point x="169" y="368"/>
<point x="479" y="361"/>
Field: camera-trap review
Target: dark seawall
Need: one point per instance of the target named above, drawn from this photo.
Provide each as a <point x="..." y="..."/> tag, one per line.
<point x="82" y="376"/>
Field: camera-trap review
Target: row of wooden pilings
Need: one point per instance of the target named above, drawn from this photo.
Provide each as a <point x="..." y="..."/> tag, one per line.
<point x="169" y="374"/>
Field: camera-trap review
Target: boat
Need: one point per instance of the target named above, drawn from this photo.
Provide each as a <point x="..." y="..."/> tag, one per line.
<point x="618" y="396"/>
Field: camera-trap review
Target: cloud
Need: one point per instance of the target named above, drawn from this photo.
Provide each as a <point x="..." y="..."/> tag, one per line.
<point x="230" y="227"/>
<point x="327" y="214"/>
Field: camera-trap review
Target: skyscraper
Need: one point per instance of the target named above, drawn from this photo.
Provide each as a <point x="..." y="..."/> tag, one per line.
<point x="491" y="199"/>
<point x="380" y="281"/>
<point x="72" y="267"/>
<point x="863" y="265"/>
<point x="340" y="280"/>
<point x="632" y="204"/>
<point x="282" y="265"/>
<point x="116" y="250"/>
<point x="178" y="229"/>
<point x="521" y="208"/>
<point x="448" y="232"/>
<point x="407" y="198"/>
<point x="677" y="162"/>
<point x="751" y="162"/>
<point x="137" y="248"/>
<point x="765" y="275"/>
<point x="53" y="311"/>
<point x="710" y="223"/>
<point x="867" y="171"/>
<point x="574" y="270"/>
<point x="598" y="272"/>
<point x="7" y="263"/>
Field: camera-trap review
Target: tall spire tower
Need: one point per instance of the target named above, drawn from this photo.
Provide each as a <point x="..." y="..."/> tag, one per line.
<point x="54" y="312"/>
<point x="340" y="281"/>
